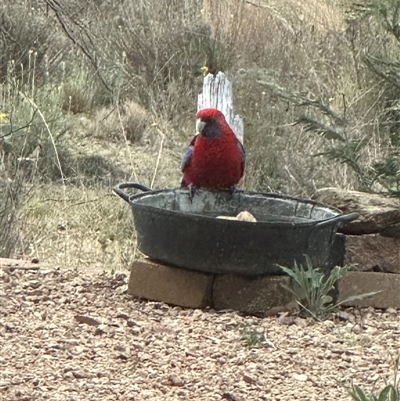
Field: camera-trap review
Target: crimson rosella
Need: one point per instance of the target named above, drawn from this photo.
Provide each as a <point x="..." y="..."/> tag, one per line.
<point x="215" y="157"/>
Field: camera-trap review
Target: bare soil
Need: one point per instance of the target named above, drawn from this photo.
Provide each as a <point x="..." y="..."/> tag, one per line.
<point x="67" y="335"/>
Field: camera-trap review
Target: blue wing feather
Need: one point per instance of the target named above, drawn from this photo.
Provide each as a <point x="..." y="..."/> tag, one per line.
<point x="188" y="154"/>
<point x="243" y="152"/>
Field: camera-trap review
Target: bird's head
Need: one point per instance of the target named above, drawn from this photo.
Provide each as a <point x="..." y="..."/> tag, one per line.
<point x="210" y="123"/>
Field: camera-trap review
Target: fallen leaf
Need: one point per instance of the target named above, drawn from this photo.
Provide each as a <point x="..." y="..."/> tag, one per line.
<point x="285" y="319"/>
<point x="91" y="321"/>
<point x="301" y="322"/>
<point x="249" y="379"/>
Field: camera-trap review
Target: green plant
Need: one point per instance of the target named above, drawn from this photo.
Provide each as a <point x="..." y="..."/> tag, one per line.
<point x="389" y="393"/>
<point x="356" y="116"/>
<point x="251" y="337"/>
<point x="345" y="143"/>
<point x="312" y="288"/>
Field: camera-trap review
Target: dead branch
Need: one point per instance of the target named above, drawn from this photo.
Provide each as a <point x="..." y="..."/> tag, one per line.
<point x="79" y="34"/>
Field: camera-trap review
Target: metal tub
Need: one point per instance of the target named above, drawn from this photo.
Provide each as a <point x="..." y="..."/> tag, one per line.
<point x="180" y="228"/>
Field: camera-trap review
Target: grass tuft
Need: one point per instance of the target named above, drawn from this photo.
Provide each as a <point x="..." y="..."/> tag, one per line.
<point x="313" y="289"/>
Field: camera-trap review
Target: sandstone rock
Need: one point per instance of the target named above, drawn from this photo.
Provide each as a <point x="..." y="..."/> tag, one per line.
<point x="378" y="213"/>
<point x="373" y="252"/>
<point x="337" y="252"/>
<point x="173" y="285"/>
<point x="363" y="282"/>
<point x="252" y="295"/>
<point x="392" y="231"/>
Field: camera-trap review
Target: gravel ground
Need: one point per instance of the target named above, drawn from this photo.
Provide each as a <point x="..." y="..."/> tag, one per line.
<point x="77" y="336"/>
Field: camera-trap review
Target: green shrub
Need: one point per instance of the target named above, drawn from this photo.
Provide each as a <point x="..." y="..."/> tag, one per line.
<point x="312" y="288"/>
<point x="252" y="337"/>
<point x="388" y="393"/>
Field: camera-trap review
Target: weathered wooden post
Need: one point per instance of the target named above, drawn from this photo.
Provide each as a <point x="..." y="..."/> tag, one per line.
<point x="217" y="93"/>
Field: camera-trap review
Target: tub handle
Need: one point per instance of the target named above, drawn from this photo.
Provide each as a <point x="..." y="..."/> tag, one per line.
<point x="341" y="218"/>
<point x="119" y="189"/>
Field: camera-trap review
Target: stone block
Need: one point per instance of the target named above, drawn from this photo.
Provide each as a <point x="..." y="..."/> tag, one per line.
<point x="378" y="213"/>
<point x="337" y="252"/>
<point x="373" y="252"/>
<point x="172" y="285"/>
<point x="362" y="282"/>
<point x="251" y="295"/>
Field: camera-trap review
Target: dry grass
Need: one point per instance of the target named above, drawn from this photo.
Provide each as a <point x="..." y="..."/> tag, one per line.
<point x="79" y="227"/>
<point x="299" y="46"/>
<point x="86" y="225"/>
<point x="127" y="122"/>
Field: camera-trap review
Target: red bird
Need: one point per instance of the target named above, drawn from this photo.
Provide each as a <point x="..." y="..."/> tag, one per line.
<point x="215" y="157"/>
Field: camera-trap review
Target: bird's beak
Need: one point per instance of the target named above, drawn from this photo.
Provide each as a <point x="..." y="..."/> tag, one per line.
<point x="200" y="124"/>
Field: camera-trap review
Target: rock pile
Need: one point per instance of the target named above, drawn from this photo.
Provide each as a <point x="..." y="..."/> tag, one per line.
<point x="373" y="240"/>
<point x="372" y="248"/>
<point x="372" y="243"/>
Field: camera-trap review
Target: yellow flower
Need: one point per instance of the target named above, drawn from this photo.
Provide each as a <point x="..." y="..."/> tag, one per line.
<point x="3" y="116"/>
<point x="204" y="70"/>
